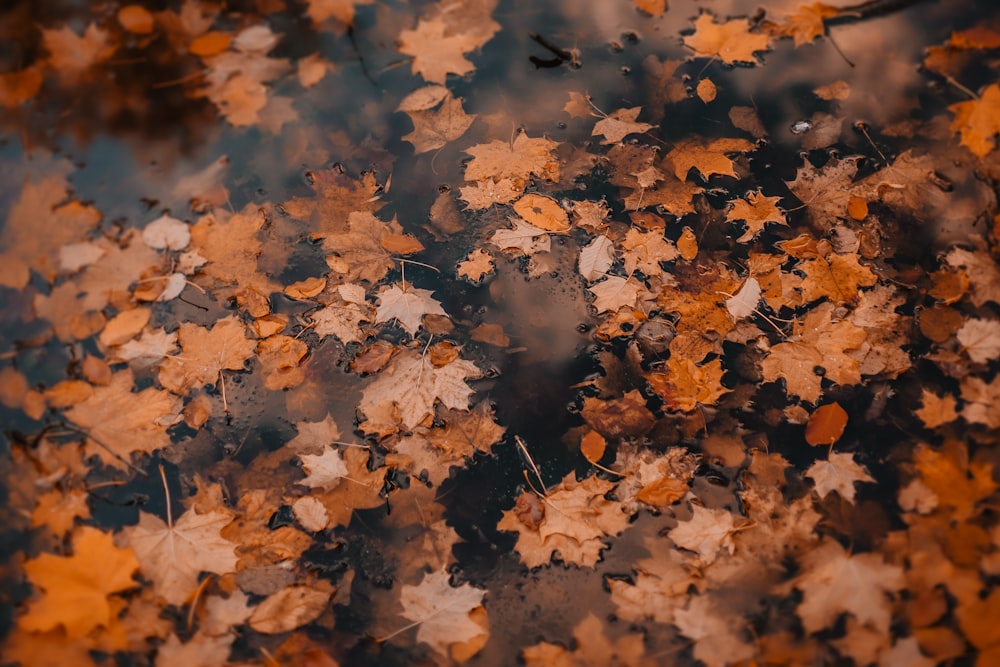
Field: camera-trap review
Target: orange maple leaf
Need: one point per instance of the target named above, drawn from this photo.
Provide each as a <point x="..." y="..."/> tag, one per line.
<point x="518" y="160"/>
<point x="77" y="587"/>
<point x="807" y="23"/>
<point x="118" y="421"/>
<point x="708" y="157"/>
<point x="731" y="42"/>
<point x="978" y="121"/>
<point x="755" y="210"/>
<point x="435" y="53"/>
<point x="205" y="353"/>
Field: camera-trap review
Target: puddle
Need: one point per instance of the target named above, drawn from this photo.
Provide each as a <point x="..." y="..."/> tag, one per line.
<point x="512" y="352"/>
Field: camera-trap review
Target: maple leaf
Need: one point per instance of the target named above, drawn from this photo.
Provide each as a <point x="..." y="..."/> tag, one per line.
<point x="173" y="555"/>
<point x="661" y="585"/>
<point x="407" y="305"/>
<point x="77" y="587"/>
<point x="38" y="224"/>
<point x="823" y="343"/>
<point x="280" y="360"/>
<point x="71" y="54"/>
<point x="314" y="436"/>
<point x="337" y="197"/>
<point x="466" y="432"/>
<point x="491" y="192"/>
<point x="516" y="160"/>
<point x="732" y="42"/>
<point x="708" y="157"/>
<point x="342" y="316"/>
<point x="476" y="266"/>
<point x="119" y="422"/>
<point x="230" y="245"/>
<point x="838" y="473"/>
<point x="615" y="292"/>
<point x="325" y="470"/>
<point x="435" y="54"/>
<point x="755" y="210"/>
<point x="643" y="251"/>
<point x="524" y="237"/>
<point x="360" y="253"/>
<point x="837" y="277"/>
<point x="936" y="410"/>
<point x="235" y="80"/>
<point x="441" y="611"/>
<point x="978" y="121"/>
<point x="705" y="533"/>
<point x="688" y="384"/>
<point x="715" y="630"/>
<point x="205" y="353"/>
<point x="577" y="521"/>
<point x="592" y="648"/>
<point x="826" y="191"/>
<point x="833" y="581"/>
<point x="432" y="129"/>
<point x="619" y="124"/>
<point x="982" y="400"/>
<point x="408" y="388"/>
<point x="980" y="339"/>
<point x="983" y="272"/>
<point x="807" y="23"/>
<point x="958" y="483"/>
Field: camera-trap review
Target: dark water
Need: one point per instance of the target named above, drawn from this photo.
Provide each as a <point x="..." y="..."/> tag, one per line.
<point x="127" y="133"/>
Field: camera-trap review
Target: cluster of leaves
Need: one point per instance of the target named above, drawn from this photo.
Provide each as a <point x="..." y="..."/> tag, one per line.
<point x="729" y="332"/>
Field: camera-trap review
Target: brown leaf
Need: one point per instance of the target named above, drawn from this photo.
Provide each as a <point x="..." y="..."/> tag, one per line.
<point x="826" y="424"/>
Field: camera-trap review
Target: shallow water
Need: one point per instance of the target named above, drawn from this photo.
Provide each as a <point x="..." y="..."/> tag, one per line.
<point x="135" y="136"/>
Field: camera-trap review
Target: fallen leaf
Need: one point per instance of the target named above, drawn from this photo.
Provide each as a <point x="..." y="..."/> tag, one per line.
<point x="731" y="42"/>
<point x="435" y="53"/>
<point x="524" y="237"/>
<point x="432" y="129"/>
<point x="441" y="611"/>
<point x="77" y="587"/>
<point x="744" y="303"/>
<point x="542" y="212"/>
<point x="596" y="258"/>
<point x="977" y="120"/>
<point x="620" y="124"/>
<point x="205" y="353"/>
<point x="705" y="533"/>
<point x="118" y="421"/>
<point x="826" y="424"/>
<point x="838" y="473"/>
<point x="172" y="556"/>
<point x="407" y="305"/>
<point x="755" y="211"/>
<point x="833" y="581"/>
<point x="408" y="388"/>
<point x="288" y="609"/>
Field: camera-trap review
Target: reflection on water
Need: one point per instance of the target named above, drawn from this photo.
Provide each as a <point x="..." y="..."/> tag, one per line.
<point x="306" y="160"/>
